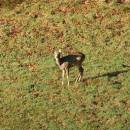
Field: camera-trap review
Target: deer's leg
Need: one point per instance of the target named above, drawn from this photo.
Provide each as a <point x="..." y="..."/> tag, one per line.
<point x="67" y="75"/>
<point x="81" y="70"/>
<point x="63" y="76"/>
<point x="79" y="78"/>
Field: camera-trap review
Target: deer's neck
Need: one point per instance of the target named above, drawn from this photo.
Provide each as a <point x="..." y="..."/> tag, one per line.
<point x="58" y="60"/>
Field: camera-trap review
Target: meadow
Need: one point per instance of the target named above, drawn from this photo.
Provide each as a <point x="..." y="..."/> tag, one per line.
<point x="31" y="94"/>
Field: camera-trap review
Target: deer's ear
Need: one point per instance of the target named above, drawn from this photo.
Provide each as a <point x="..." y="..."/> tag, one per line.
<point x="60" y="50"/>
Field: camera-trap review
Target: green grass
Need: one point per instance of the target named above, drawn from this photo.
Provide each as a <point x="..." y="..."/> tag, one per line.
<point x="31" y="95"/>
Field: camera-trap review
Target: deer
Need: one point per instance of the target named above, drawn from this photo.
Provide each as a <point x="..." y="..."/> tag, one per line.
<point x="66" y="62"/>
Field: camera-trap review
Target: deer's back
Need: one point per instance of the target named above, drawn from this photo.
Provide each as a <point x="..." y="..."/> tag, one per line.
<point x="73" y="59"/>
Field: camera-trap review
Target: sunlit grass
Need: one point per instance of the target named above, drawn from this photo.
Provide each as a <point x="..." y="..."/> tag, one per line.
<point x="31" y="94"/>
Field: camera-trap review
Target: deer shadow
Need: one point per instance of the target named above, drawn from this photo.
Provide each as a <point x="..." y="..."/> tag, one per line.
<point x="110" y="74"/>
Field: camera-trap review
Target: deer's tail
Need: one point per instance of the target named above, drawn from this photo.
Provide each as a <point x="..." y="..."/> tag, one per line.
<point x="82" y="57"/>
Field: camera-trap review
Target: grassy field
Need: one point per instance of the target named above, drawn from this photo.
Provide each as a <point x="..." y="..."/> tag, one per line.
<point x="31" y="95"/>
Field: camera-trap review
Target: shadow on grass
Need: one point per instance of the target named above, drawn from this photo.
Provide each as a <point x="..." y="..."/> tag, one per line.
<point x="110" y="74"/>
